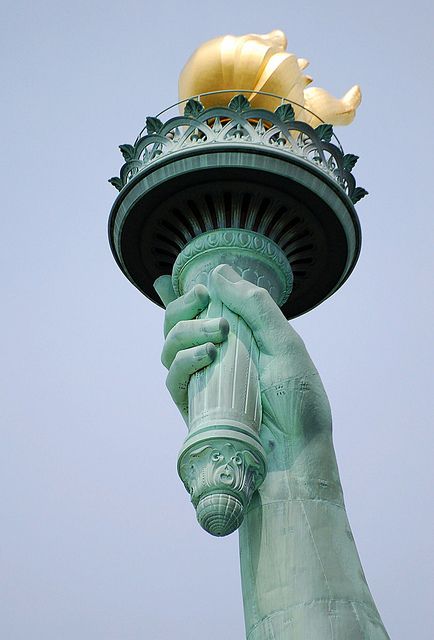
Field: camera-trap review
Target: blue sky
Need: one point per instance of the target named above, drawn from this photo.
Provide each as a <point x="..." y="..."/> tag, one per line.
<point x="98" y="540"/>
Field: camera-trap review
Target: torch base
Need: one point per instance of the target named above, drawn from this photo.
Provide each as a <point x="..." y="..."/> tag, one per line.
<point x="221" y="470"/>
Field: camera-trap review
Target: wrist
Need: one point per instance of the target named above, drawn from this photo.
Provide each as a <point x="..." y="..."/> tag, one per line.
<point x="284" y="486"/>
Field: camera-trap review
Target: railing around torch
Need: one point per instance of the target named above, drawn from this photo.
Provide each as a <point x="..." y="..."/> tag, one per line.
<point x="240" y="123"/>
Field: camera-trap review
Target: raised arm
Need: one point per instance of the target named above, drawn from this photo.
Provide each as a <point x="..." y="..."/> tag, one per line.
<point x="301" y="573"/>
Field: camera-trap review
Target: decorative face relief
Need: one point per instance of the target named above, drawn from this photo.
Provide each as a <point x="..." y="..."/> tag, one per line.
<point x="221" y="465"/>
<point x="221" y="477"/>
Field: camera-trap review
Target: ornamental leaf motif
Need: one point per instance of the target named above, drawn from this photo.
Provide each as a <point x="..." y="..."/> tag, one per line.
<point x="324" y="132"/>
<point x="117" y="183"/>
<point x="239" y="103"/>
<point x="127" y="151"/>
<point x="153" y="125"/>
<point x="193" y="108"/>
<point x="358" y="194"/>
<point x="308" y="141"/>
<point x="285" y="113"/>
<point x="349" y="161"/>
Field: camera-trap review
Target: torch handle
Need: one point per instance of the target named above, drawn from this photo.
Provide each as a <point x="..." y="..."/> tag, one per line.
<point x="226" y="395"/>
<point x="222" y="461"/>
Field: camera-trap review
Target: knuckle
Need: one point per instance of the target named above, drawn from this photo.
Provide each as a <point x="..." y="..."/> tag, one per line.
<point x="170" y="385"/>
<point x="168" y="382"/>
<point x="171" y="375"/>
<point x="183" y="325"/>
<point x="258" y="295"/>
<point x="166" y="327"/>
<point x="164" y="359"/>
<point x="177" y="361"/>
<point x="176" y="333"/>
<point x="170" y="307"/>
<point x="169" y="316"/>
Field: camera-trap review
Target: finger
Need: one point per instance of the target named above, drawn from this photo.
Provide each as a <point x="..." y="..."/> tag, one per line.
<point x="191" y="333"/>
<point x="184" y="365"/>
<point x="186" y="307"/>
<point x="256" y="306"/>
<point x="163" y="286"/>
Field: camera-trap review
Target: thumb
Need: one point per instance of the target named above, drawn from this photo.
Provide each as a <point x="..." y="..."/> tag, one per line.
<point x="255" y="305"/>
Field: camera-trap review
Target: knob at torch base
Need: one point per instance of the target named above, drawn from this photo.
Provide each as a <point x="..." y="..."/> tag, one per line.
<point x="220" y="513"/>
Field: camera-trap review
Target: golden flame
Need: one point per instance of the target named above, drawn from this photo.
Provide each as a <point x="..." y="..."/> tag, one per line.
<point x="251" y="63"/>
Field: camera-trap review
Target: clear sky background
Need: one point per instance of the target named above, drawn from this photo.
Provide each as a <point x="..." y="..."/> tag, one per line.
<point x="98" y="540"/>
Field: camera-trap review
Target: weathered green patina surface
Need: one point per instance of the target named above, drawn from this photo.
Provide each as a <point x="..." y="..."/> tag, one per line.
<point x="222" y="461"/>
<point x="301" y="573"/>
<point x="239" y="123"/>
<point x="242" y="219"/>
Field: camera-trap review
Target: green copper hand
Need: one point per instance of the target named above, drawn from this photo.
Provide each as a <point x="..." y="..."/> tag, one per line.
<point x="189" y="344"/>
<point x="301" y="573"/>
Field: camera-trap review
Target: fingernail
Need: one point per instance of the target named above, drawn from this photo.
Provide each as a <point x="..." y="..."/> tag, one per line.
<point x="215" y="325"/>
<point x="226" y="272"/>
<point x="207" y="350"/>
<point x="224" y="326"/>
<point x="211" y="350"/>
